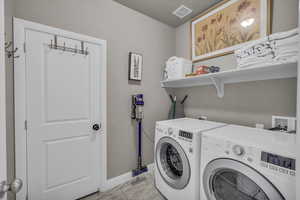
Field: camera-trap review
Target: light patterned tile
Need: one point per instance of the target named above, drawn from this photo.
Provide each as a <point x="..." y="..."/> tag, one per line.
<point x="144" y="190"/>
<point x="158" y="197"/>
<point x="115" y="195"/>
<point x="141" y="190"/>
<point x="150" y="177"/>
<point x="136" y="191"/>
<point x="91" y="197"/>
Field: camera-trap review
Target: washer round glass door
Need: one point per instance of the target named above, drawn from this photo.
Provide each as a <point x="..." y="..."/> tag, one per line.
<point x="172" y="163"/>
<point x="226" y="179"/>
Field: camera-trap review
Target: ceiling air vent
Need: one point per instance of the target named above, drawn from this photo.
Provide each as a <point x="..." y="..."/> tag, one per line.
<point x="182" y="11"/>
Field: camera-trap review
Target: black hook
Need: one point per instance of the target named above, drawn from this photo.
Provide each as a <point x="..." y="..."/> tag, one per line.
<point x="184" y="99"/>
<point x="172" y="99"/>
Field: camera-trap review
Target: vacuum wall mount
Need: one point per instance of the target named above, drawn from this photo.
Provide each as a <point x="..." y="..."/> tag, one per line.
<point x="137" y="114"/>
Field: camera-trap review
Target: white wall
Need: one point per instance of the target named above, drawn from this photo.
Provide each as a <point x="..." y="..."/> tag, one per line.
<point x="183" y="41"/>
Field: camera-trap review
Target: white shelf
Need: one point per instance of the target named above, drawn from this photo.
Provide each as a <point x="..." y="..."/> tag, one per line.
<point x="266" y="72"/>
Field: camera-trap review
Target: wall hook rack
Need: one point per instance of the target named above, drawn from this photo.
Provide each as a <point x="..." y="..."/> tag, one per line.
<point x="10" y="53"/>
<point x="75" y="50"/>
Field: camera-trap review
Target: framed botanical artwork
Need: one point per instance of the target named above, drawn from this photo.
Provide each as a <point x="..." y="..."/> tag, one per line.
<point x="229" y="25"/>
<point x="135" y="67"/>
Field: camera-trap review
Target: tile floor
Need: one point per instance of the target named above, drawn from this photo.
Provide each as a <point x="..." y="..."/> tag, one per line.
<point x="141" y="190"/>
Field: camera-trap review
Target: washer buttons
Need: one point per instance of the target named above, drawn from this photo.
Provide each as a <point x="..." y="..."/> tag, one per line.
<point x="238" y="150"/>
<point x="292" y="173"/>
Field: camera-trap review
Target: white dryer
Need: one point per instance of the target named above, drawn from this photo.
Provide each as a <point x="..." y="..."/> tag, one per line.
<point x="177" y="157"/>
<point x="248" y="164"/>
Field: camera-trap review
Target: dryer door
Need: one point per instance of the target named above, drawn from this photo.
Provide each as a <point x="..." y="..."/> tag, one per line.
<point x="226" y="179"/>
<point x="172" y="163"/>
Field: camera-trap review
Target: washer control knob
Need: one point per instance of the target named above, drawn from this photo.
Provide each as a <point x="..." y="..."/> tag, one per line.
<point x="238" y="150"/>
<point x="170" y="131"/>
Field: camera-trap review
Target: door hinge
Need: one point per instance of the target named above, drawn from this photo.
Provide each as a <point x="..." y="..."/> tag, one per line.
<point x="24" y="47"/>
<point x="25" y="125"/>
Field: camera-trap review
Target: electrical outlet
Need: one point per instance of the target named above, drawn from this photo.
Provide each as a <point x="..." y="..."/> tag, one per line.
<point x="285" y="123"/>
<point x="260" y="126"/>
<point x="202" y="117"/>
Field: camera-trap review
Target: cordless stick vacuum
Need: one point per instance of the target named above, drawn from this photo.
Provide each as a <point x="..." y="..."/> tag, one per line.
<point x="137" y="114"/>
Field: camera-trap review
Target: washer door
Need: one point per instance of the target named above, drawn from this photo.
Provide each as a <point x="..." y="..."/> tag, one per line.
<point x="226" y="179"/>
<point x="172" y="163"/>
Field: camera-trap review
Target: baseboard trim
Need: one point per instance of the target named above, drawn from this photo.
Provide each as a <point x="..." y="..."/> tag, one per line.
<point x="113" y="182"/>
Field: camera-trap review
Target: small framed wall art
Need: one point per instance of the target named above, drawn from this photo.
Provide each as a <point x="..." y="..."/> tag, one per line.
<point x="229" y="25"/>
<point x="135" y="66"/>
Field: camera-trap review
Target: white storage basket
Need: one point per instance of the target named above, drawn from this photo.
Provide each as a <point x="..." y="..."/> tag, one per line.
<point x="177" y="68"/>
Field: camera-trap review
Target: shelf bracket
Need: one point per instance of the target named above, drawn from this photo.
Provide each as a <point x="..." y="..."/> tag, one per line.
<point x="219" y="84"/>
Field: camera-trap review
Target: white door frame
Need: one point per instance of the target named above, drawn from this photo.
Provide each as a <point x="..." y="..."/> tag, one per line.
<point x="3" y="155"/>
<point x="20" y="98"/>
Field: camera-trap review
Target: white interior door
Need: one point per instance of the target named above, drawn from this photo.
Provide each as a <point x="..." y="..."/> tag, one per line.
<point x="63" y="104"/>
<point x="2" y="103"/>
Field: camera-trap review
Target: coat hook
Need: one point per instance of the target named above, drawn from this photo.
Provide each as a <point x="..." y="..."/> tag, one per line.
<point x="82" y="50"/>
<point x="11" y="53"/>
<point x="7" y="44"/>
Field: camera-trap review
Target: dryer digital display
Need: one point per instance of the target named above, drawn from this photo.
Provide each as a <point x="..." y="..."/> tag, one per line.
<point x="281" y="161"/>
<point x="186" y="134"/>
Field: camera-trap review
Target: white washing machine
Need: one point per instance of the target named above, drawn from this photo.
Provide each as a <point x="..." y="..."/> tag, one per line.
<point x="177" y="157"/>
<point x="241" y="163"/>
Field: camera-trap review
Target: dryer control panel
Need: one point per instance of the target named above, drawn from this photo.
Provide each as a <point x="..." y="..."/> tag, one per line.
<point x="186" y="135"/>
<point x="278" y="163"/>
<point x="273" y="162"/>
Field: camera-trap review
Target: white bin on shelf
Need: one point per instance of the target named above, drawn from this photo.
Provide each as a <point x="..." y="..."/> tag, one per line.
<point x="177" y="68"/>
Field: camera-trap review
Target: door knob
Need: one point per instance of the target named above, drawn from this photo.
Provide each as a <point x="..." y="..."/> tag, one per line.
<point x="96" y="127"/>
<point x="14" y="187"/>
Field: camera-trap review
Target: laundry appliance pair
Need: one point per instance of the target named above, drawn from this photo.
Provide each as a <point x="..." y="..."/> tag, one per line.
<point x="205" y="160"/>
